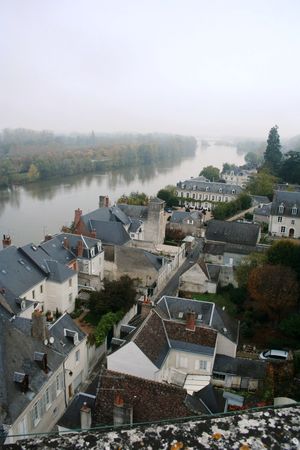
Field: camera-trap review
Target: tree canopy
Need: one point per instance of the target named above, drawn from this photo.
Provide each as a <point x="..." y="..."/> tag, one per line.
<point x="224" y="210"/>
<point x="286" y="253"/>
<point x="134" y="198"/>
<point x="168" y="194"/>
<point x="274" y="289"/>
<point x="262" y="184"/>
<point x="247" y="264"/>
<point x="290" y="168"/>
<point x="273" y="155"/>
<point x="211" y="173"/>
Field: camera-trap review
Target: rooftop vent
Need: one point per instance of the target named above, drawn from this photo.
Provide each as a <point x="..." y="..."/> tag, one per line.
<point x="199" y="317"/>
<point x="22" y="380"/>
<point x="41" y="359"/>
<point x="34" y="248"/>
<point x="224" y="330"/>
<point x="180" y="315"/>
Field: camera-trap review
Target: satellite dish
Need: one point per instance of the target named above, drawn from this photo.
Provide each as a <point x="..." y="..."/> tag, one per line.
<point x="46" y="342"/>
<point x="51" y="340"/>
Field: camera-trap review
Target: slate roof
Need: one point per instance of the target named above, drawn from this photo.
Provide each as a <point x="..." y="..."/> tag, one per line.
<point x="157" y="336"/>
<point x="150" y="400"/>
<point x="264" y="210"/>
<point x="134" y="211"/>
<point x="197" y="184"/>
<point x="17" y="355"/>
<point x="18" y="273"/>
<point x="212" y="315"/>
<point x="71" y="417"/>
<point x="209" y="400"/>
<point x="58" y="273"/>
<point x="288" y="199"/>
<point x="56" y="250"/>
<point x="181" y="216"/>
<point x="213" y="272"/>
<point x="62" y="343"/>
<point x="259" y="199"/>
<point x="232" y="232"/>
<point x="132" y="259"/>
<point x="240" y="366"/>
<point x="213" y="248"/>
<point x="110" y="232"/>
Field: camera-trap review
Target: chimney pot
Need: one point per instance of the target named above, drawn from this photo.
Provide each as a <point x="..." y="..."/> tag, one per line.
<point x="85" y="417"/>
<point x="6" y="241"/>
<point x="146" y="307"/>
<point x="79" y="248"/>
<point x="39" y="329"/>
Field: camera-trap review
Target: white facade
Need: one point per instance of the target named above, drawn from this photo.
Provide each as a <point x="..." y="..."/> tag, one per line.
<point x="285" y="226"/>
<point x="61" y="295"/>
<point x="241" y="178"/>
<point x="130" y="359"/>
<point x="43" y="412"/>
<point x="195" y="280"/>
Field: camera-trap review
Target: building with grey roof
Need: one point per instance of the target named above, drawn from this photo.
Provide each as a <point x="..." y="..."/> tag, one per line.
<point x="285" y="214"/>
<point x="261" y="214"/>
<point x="41" y="369"/>
<point x="197" y="192"/>
<point x="30" y="278"/>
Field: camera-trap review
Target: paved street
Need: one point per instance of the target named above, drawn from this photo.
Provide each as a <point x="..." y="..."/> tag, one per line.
<point x="172" y="286"/>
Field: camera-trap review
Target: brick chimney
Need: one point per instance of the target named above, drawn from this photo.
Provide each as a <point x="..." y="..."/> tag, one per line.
<point x="122" y="414"/>
<point x="39" y="328"/>
<point x="6" y="241"/>
<point x="190" y="321"/>
<point x="85" y="417"/>
<point x="146" y="307"/>
<point x="66" y="243"/>
<point x="78" y="214"/>
<point x="94" y="233"/>
<point x="103" y="201"/>
<point x="79" y="248"/>
<point x="48" y="237"/>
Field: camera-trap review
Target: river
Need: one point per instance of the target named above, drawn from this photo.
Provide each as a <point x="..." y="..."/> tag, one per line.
<point x="29" y="212"/>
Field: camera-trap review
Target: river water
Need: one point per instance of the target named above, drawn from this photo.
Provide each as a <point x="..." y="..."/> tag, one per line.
<point x="29" y="212"/>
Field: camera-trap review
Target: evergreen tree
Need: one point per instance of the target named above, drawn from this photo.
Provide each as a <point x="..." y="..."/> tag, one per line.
<point x="273" y="155"/>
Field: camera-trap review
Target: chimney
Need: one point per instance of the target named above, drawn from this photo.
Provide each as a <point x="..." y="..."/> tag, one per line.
<point x="85" y="417"/>
<point x="6" y="241"/>
<point x="94" y="233"/>
<point x="103" y="201"/>
<point x="78" y="213"/>
<point x="41" y="359"/>
<point x="146" y="307"/>
<point x="48" y="237"/>
<point x="66" y="243"/>
<point x="79" y="248"/>
<point x="38" y="328"/>
<point x="190" y="321"/>
<point x="22" y="381"/>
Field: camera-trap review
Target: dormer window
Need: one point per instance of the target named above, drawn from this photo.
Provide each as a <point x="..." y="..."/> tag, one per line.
<point x="233" y="191"/>
<point x="294" y="210"/>
<point x="206" y="188"/>
<point x="281" y="208"/>
<point x="220" y="190"/>
<point x="72" y="335"/>
<point x="92" y="252"/>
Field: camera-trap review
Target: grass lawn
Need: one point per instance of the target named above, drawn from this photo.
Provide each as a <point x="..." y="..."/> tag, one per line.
<point x="220" y="300"/>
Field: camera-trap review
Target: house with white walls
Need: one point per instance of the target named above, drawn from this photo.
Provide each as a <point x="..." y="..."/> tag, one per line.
<point x="178" y="338"/>
<point x="285" y="214"/>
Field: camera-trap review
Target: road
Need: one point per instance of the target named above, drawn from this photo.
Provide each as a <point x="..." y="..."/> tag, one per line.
<point x="172" y="286"/>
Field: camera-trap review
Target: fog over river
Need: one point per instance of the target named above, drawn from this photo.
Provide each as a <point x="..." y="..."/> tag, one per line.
<point x="29" y="212"/>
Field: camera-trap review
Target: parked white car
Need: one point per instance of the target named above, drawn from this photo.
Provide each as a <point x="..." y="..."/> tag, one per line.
<point x="279" y="355"/>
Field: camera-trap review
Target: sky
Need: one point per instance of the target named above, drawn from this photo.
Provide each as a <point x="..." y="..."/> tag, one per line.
<point x="200" y="67"/>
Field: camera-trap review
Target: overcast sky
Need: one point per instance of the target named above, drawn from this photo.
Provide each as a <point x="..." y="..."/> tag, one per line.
<point x="202" y="67"/>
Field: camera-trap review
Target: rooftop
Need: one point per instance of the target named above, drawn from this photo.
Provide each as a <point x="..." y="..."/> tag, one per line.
<point x="232" y="232"/>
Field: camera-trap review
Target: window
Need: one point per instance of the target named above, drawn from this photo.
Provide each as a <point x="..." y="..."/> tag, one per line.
<point x="77" y="356"/>
<point x="206" y="188"/>
<point x="233" y="191"/>
<point x="279" y="219"/>
<point x="181" y="361"/>
<point x="33" y="295"/>
<point x="294" y="210"/>
<point x="281" y="208"/>
<point x="200" y="196"/>
<point x="218" y="376"/>
<point x="35" y="414"/>
<point x="70" y="298"/>
<point x="59" y="383"/>
<point x="181" y="194"/>
<point x="282" y="230"/>
<point x="200" y="364"/>
<point x="292" y="222"/>
<point x="47" y="399"/>
<point x="226" y="199"/>
<point x="92" y="252"/>
<point x="190" y="222"/>
<point x="220" y="190"/>
<point x="194" y="196"/>
<point x="212" y="197"/>
<point x="187" y="195"/>
<point x="220" y="198"/>
<point x="41" y="289"/>
<point x="70" y="282"/>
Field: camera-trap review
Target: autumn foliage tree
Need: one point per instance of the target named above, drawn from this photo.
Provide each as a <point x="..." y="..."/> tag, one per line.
<point x="274" y="289"/>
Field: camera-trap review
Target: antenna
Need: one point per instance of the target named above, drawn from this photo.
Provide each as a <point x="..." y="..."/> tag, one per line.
<point x="46" y="342"/>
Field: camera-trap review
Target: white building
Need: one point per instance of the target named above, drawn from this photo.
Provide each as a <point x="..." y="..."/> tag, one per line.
<point x="285" y="214"/>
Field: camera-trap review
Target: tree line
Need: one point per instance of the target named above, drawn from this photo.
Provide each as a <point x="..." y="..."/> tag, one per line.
<point x="30" y="156"/>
